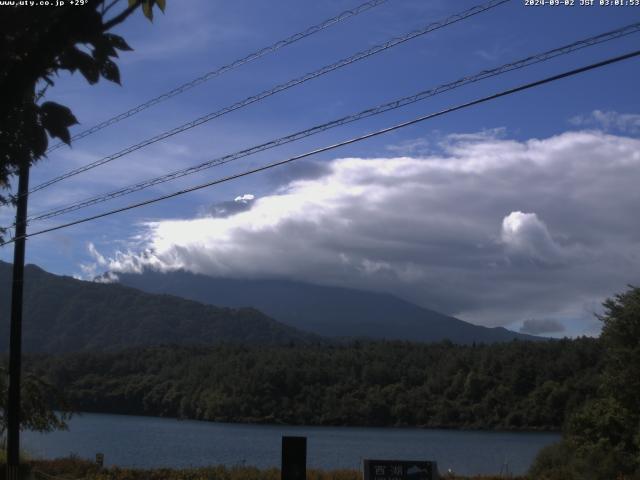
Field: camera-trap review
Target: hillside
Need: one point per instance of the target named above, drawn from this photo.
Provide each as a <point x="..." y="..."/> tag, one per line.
<point x="326" y="311"/>
<point x="62" y="314"/>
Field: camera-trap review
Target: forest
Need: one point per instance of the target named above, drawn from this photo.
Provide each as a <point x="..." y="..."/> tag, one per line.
<point x="516" y="385"/>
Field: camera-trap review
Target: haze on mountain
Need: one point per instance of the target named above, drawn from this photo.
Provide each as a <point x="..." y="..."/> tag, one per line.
<point x="62" y="314"/>
<point x="322" y="310"/>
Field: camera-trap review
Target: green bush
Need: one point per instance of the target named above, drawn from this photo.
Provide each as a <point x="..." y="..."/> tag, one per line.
<point x="553" y="463"/>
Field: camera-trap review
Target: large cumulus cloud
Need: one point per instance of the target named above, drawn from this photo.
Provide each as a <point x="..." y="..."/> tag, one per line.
<point x="493" y="230"/>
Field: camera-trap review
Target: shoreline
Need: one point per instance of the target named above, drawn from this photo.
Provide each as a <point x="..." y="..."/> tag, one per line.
<point x="276" y="424"/>
<point x="157" y="442"/>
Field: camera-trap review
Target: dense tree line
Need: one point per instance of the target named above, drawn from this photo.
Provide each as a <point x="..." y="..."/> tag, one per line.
<point x="517" y="385"/>
<point x="601" y="438"/>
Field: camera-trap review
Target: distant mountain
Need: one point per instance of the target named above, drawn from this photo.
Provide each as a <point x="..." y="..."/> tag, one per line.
<point x="62" y="314"/>
<point x="326" y="311"/>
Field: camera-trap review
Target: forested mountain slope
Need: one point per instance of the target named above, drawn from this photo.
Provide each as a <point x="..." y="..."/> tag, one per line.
<point x="326" y="311"/>
<point x="62" y="314"/>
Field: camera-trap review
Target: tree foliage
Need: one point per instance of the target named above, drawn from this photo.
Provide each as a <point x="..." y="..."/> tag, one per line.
<point x="602" y="438"/>
<point x="35" y="46"/>
<point x="38" y="399"/>
<point x="377" y="384"/>
<point x="621" y="338"/>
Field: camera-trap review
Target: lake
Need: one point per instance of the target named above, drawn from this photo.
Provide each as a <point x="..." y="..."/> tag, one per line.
<point x="131" y="441"/>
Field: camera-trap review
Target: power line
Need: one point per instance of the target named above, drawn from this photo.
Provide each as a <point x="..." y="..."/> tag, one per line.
<point x="462" y="106"/>
<point x="525" y="62"/>
<point x="219" y="71"/>
<point x="279" y="88"/>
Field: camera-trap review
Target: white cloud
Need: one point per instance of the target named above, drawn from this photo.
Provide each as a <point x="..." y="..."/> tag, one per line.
<point x="101" y="261"/>
<point x="526" y="236"/>
<point x="610" y="121"/>
<point x="90" y="269"/>
<point x="416" y="146"/>
<point x="446" y="231"/>
<point x="246" y="198"/>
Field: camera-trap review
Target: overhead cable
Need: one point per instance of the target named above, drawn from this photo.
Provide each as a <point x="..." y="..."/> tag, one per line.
<point x="219" y="71"/>
<point x="268" y="166"/>
<point x="401" y="102"/>
<point x="278" y="88"/>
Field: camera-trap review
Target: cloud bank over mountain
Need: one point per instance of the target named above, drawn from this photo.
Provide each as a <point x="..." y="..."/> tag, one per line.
<point x="490" y="229"/>
<point x="543" y="326"/>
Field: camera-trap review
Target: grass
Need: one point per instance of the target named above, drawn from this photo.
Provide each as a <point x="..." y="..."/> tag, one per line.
<point x="3" y="455"/>
<point x="73" y="468"/>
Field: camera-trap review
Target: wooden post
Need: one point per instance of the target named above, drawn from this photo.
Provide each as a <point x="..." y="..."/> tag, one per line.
<point x="294" y="458"/>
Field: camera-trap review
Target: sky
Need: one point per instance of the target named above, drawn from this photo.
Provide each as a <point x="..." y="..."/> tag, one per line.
<point x="520" y="212"/>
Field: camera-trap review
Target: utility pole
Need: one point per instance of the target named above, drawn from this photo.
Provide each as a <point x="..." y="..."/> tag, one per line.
<point x="15" y="339"/>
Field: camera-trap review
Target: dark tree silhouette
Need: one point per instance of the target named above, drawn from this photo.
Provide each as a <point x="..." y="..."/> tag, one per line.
<point x="39" y="398"/>
<point x="36" y="44"/>
<point x="602" y="438"/>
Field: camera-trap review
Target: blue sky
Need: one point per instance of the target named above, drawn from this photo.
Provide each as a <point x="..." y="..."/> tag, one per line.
<point x="500" y="245"/>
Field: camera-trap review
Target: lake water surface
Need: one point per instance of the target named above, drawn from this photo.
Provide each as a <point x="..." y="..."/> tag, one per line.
<point x="131" y="441"/>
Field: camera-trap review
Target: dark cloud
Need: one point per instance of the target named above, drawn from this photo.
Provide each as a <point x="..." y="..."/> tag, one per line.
<point x="231" y="207"/>
<point x="541" y="326"/>
<point x="307" y="169"/>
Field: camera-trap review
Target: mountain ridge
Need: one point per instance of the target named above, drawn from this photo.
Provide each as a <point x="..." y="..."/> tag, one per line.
<point x="63" y="314"/>
<point x="327" y="311"/>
